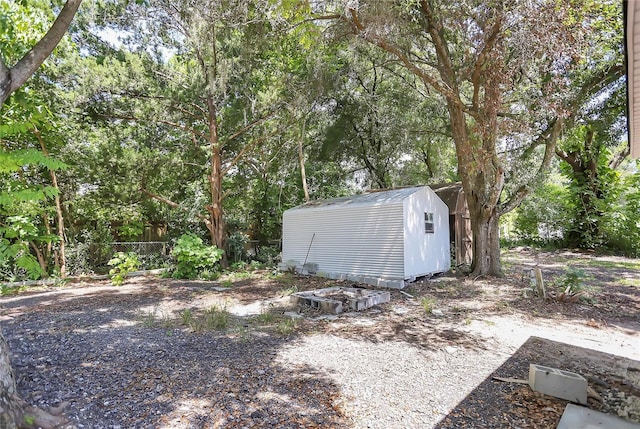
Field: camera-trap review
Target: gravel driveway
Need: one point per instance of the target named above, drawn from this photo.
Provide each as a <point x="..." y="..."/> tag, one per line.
<point x="128" y="357"/>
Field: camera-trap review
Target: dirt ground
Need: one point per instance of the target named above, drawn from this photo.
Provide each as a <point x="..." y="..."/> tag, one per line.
<point x="589" y="324"/>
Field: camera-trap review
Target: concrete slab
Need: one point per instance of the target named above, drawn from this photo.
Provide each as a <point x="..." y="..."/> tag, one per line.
<point x="577" y="417"/>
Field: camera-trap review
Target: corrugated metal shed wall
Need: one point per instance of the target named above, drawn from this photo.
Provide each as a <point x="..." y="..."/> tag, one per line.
<point x="362" y="239"/>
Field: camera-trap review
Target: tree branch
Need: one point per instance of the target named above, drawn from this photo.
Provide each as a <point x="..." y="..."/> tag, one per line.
<point x="359" y="29"/>
<point x="173" y="204"/>
<point x="14" y="78"/>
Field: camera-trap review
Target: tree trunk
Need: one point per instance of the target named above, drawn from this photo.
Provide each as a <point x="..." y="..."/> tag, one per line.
<point x="486" y="245"/>
<point x="14" y="412"/>
<point x="216" y="224"/>
<point x="11" y="406"/>
<point x="62" y="260"/>
<point x="482" y="180"/>
<point x="303" y="174"/>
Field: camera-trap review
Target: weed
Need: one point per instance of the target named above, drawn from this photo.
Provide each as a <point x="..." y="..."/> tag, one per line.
<point x="10" y="291"/>
<point x="226" y="283"/>
<point x="150" y="318"/>
<point x="265" y="318"/>
<point x="187" y="316"/>
<point x="289" y="291"/>
<point x="571" y="286"/>
<point x="216" y="318"/>
<point x="467" y="321"/>
<point x="428" y="304"/>
<point x="287" y="326"/>
<point x="286" y="279"/>
<point x="243" y="275"/>
<point x="243" y="333"/>
<point x="123" y="263"/>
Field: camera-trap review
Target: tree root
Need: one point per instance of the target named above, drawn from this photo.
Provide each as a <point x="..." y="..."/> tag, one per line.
<point x="34" y="417"/>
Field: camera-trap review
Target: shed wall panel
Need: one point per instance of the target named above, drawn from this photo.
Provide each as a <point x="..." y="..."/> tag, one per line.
<point x="361" y="240"/>
<point x="426" y="253"/>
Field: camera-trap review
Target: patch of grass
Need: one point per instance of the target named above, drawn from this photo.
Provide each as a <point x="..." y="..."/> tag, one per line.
<point x="286" y="279"/>
<point x="609" y="264"/>
<point x="628" y="282"/>
<point x="10" y="291"/>
<point x="428" y="304"/>
<point x="287" y="326"/>
<point x="226" y="283"/>
<point x="216" y="317"/>
<point x="149" y="318"/>
<point x="289" y="290"/>
<point x="186" y="316"/>
<point x="266" y="318"/>
<point x="243" y="275"/>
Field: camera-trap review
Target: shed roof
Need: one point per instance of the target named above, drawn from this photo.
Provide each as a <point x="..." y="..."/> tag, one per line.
<point x="368" y="198"/>
<point x="449" y="193"/>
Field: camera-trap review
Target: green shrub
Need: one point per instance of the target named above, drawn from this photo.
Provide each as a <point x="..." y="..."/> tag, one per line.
<point x="123" y="263"/>
<point x="193" y="257"/>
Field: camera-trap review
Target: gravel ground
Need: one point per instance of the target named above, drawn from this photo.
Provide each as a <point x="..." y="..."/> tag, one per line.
<point x="129" y="357"/>
<point x="394" y="385"/>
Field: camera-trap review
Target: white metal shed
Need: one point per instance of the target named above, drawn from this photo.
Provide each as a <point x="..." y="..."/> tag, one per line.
<point x="382" y="238"/>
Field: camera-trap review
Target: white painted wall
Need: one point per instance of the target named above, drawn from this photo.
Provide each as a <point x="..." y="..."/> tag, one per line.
<point x="425" y="253"/>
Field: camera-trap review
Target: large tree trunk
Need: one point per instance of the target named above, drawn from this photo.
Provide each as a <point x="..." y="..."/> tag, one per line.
<point x="486" y="243"/>
<point x="12" y="408"/>
<point x="216" y="224"/>
<point x="14" y="412"/>
<point x="482" y="180"/>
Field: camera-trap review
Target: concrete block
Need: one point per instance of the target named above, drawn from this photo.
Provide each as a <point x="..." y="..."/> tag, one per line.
<point x="311" y="267"/>
<point x="560" y="384"/>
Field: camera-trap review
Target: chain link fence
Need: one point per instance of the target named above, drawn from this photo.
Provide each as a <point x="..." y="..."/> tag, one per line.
<point x="86" y="258"/>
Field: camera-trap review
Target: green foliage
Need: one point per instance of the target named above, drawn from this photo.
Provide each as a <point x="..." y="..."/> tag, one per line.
<point x="193" y="257"/>
<point x="123" y="263"/>
<point x="543" y="217"/>
<point x="623" y="225"/>
<point x="130" y="231"/>
<point x="571" y="286"/>
<point x="236" y="246"/>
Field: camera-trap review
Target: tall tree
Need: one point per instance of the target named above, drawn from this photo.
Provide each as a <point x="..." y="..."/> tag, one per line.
<point x="12" y="77"/>
<point x="592" y="150"/>
<point x="200" y="59"/>
<point x="504" y="70"/>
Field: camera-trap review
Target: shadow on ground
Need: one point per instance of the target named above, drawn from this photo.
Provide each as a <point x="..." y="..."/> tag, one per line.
<point x="94" y="352"/>
<point x="497" y="404"/>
